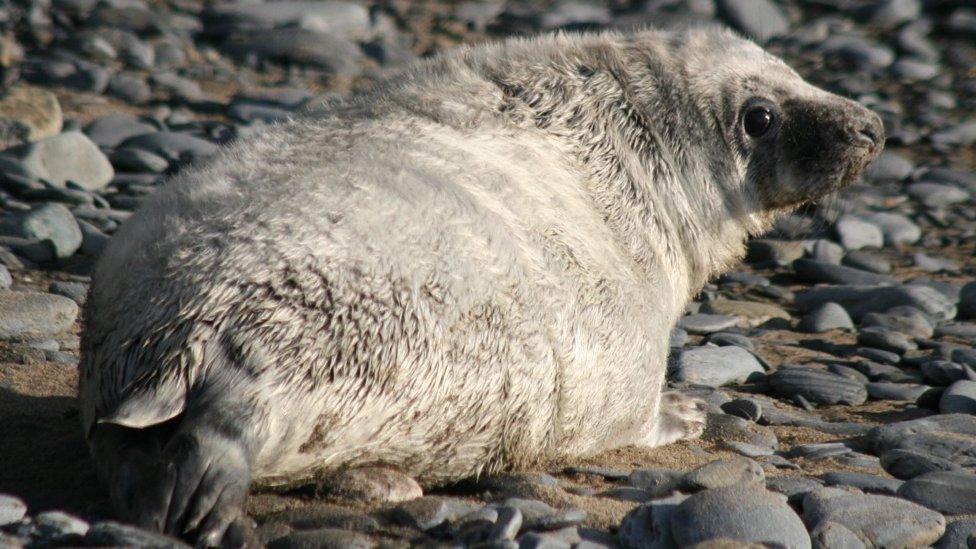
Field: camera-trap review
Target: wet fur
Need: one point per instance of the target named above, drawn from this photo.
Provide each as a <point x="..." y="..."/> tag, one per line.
<point x="475" y="267"/>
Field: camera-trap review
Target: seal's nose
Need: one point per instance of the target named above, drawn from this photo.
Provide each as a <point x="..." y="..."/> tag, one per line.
<point x="866" y="130"/>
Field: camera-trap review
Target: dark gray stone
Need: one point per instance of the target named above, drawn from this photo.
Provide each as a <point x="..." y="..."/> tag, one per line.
<point x="109" y="131"/>
<point x="706" y="324"/>
<point x="943" y="372"/>
<point x="323" y="538"/>
<point x="906" y="464"/>
<point x="716" y="366"/>
<point x="114" y="534"/>
<point x="171" y="145"/>
<point x="906" y="320"/>
<point x="861" y="300"/>
<point x="830" y="535"/>
<point x="879" y="337"/>
<point x="34" y="313"/>
<point x="959" y="398"/>
<point x="882" y="521"/>
<point x="826" y="317"/>
<point x="724" y="472"/>
<point x="816" y="386"/>
<point x="656" y="482"/>
<point x="50" y="222"/>
<point x="760" y="19"/>
<point x="864" y="481"/>
<point x="746" y="408"/>
<point x="950" y="492"/>
<point x="960" y="534"/>
<point x="907" y="392"/>
<point x="810" y="270"/>
<point x="865" y="260"/>
<point x="740" y="512"/>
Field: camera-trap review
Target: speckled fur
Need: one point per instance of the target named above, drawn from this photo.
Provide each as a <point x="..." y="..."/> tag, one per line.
<point x="474" y="267"/>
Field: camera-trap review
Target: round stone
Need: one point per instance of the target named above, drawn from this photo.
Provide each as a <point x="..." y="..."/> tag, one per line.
<point x="746" y="513"/>
<point x="34" y="313"/>
<point x="28" y="114"/>
<point x="725" y="472"/>
<point x="716" y="366"/>
<point x="826" y="317"/>
<point x="68" y="156"/>
<point x="12" y="509"/>
<point x="951" y="492"/>
<point x="960" y="398"/>
<point x="882" y="521"/>
<point x="854" y="233"/>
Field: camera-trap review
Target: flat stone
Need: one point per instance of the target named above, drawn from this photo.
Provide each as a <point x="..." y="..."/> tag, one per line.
<point x="882" y="521"/>
<point x="705" y="324"/>
<point x="960" y="330"/>
<point x="906" y="392"/>
<point x="325" y="515"/>
<point x="12" y="509"/>
<point x="794" y="488"/>
<point x="724" y="472"/>
<point x="826" y="317"/>
<point x="854" y="233"/>
<point x="897" y="229"/>
<point x="349" y="19"/>
<point x="537" y="515"/>
<point x="75" y="291"/>
<point x="866" y="260"/>
<point x="759" y="19"/>
<point x="746" y="408"/>
<point x="716" y="366"/>
<point x="907" y="464"/>
<point x="967" y="300"/>
<point x="819" y="450"/>
<point x="943" y="372"/>
<point x="908" y="321"/>
<point x="656" y="482"/>
<point x="932" y="264"/>
<point x="864" y="481"/>
<point x="330" y="53"/>
<point x="68" y="156"/>
<point x="746" y="513"/>
<point x="724" y="428"/>
<point x="830" y="535"/>
<point x="754" y="312"/>
<point x="725" y="339"/>
<point x="889" y="166"/>
<point x="172" y="145"/>
<point x="58" y="523"/>
<point x="959" y="398"/>
<point x="879" y="337"/>
<point x="323" y="538"/>
<point x="28" y="114"/>
<point x="950" y="492"/>
<point x="429" y="512"/>
<point x="826" y="251"/>
<point x="937" y="195"/>
<point x="897" y="435"/>
<point x="817" y="386"/>
<point x="810" y="270"/>
<point x="861" y="300"/>
<point x="958" y="535"/>
<point x="50" y="223"/>
<point x="34" y="313"/>
<point x="111" y="130"/>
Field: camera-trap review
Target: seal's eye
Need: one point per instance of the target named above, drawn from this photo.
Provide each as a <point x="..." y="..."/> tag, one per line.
<point x="757" y="121"/>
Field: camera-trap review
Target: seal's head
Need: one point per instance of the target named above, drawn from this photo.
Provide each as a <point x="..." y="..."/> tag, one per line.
<point x="793" y="142"/>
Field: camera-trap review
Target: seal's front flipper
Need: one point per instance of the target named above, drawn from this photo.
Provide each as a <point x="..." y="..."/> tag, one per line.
<point x="680" y="417"/>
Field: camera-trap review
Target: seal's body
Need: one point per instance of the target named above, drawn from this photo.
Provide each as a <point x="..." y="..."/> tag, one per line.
<point x="475" y="267"/>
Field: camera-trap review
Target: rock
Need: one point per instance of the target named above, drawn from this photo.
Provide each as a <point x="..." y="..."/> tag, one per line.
<point x="760" y="19"/>
<point x="794" y="488"/>
<point x="897" y="228"/>
<point x="959" y="398"/>
<point x="656" y="482"/>
<point x="943" y="372"/>
<point x="12" y="509"/>
<point x="324" y="515"/>
<point x="114" y="534"/>
<point x="830" y="535"/>
<point x="28" y="114"/>
<point x="746" y="408"/>
<point x="5" y="279"/>
<point x="866" y="261"/>
<point x="331" y="53"/>
<point x="854" y="233"/>
<point x="826" y="251"/>
<point x="347" y="19"/>
<point x="724" y="472"/>
<point x="881" y="521"/>
<point x="889" y="14"/>
<point x="177" y="87"/>
<point x="725" y="429"/>
<point x="753" y="312"/>
<point x="649" y="525"/>
<point x="75" y="291"/>
<point x="905" y="320"/>
<point x="429" y="512"/>
<point x="109" y="131"/>
<point x="172" y="145"/>
<point x="912" y="70"/>
<point x="889" y="166"/>
<point x="370" y="484"/>
<point x="959" y="534"/>
<point x="963" y="134"/>
<point x="950" y="492"/>
<point x="57" y="523"/>
<point x="741" y="512"/>
<point x="937" y="195"/>
<point x="716" y="366"/>
<point x="906" y="464"/>
<point x="819" y="450"/>
<point x="967" y="300"/>
<point x="862" y="53"/>
<point x="816" y="386"/>
<point x="864" y="481"/>
<point x="879" y="337"/>
<point x="678" y="338"/>
<point x="906" y="392"/>
<point x="506" y="525"/>
<point x="138" y="160"/>
<point x="68" y="156"/>
<point x="818" y="271"/>
<point x="826" y="317"/>
<point x="51" y="223"/>
<point x="34" y="313"/>
<point x="323" y="538"/>
<point x="960" y="330"/>
<point x="129" y="87"/>
<point x="725" y="339"/>
<point x="706" y="324"/>
<point x="861" y="300"/>
<point x="537" y="515"/>
<point x="897" y="435"/>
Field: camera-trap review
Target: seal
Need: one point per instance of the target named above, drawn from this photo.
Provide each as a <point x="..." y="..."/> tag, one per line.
<point x="474" y="267"/>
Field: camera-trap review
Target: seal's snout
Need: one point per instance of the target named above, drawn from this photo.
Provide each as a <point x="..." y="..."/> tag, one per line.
<point x="865" y="130"/>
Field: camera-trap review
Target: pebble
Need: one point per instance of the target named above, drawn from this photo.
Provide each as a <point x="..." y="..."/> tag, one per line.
<point x="58" y="523"/>
<point x="865" y="260"/>
<point x="171" y="145"/>
<point x="779" y="251"/>
<point x="323" y="537"/>
<point x="753" y="312"/>
<point x="810" y="270"/>
<point x="897" y="229"/>
<point x="906" y="320"/>
<point x="745" y="408"/>
<point x="114" y="534"/>
<point x="429" y="512"/>
<point x="725" y="339"/>
<point x="12" y="509"/>
<point x="656" y="482"/>
<point x="861" y="300"/>
<point x="826" y="317"/>
<point x="907" y="392"/>
<point x="906" y="464"/>
<point x="827" y="251"/>
<point x="816" y="386"/>
<point x="742" y="512"/>
<point x="68" y="156"/>
<point x="716" y="366"/>
<point x="943" y="372"/>
<point x="759" y="19"/>
<point x="864" y="481"/>
<point x="76" y="291"/>
<point x="49" y="223"/>
<point x="967" y="300"/>
<point x="794" y="488"/>
<point x="959" y="535"/>
<point x="5" y="279"/>
<point x="28" y="114"/>
<point x="882" y="521"/>
<point x="537" y="515"/>
<point x="34" y="313"/>
<point x="854" y="233"/>
<point x="950" y="492"/>
<point x="110" y="131"/>
<point x="831" y="535"/>
<point x="879" y="337"/>
<point x="703" y="324"/>
<point x="343" y="18"/>
<point x="889" y="166"/>
<point x="959" y="398"/>
<point x="725" y="472"/>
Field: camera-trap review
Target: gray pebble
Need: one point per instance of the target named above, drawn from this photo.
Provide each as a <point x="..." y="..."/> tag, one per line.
<point x="52" y="223"/>
<point x="109" y="131"/>
<point x="865" y="260"/>
<point x="906" y="320"/>
<point x="943" y="372"/>
<point x="816" y="386"/>
<point x="760" y="19"/>
<point x="716" y="366"/>
<point x="813" y="271"/>
<point x="68" y="156"/>
<point x="959" y="398"/>
<point x="656" y="482"/>
<point x="114" y="534"/>
<point x="831" y="535"/>
<point x="34" y="313"/>
<point x="59" y="523"/>
<point x="746" y="408"/>
<point x="906" y="464"/>
<point x="906" y="392"/>
<point x="897" y="229"/>
<point x="12" y="509"/>
<point x="882" y="338"/>
<point x="950" y="492"/>
<point x="826" y="317"/>
<point x="705" y="323"/>
<point x="960" y="534"/>
<point x="881" y="520"/>
<point x="854" y="233"/>
<point x="323" y="537"/>
<point x="76" y="291"/>
<point x="429" y="512"/>
<point x="724" y="472"/>
<point x="861" y="300"/>
<point x="864" y="481"/>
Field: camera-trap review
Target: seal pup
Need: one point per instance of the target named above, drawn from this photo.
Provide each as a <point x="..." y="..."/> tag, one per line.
<point x="473" y="268"/>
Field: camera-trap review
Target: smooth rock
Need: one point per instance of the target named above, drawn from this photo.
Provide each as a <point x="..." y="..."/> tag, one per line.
<point x="760" y="19"/>
<point x="656" y="482"/>
<point x="960" y="534"/>
<point x="330" y="53"/>
<point x="716" y="366"/>
<point x="816" y="386"/>
<point x="959" y="398"/>
<point x="171" y="145"/>
<point x="937" y="195"/>
<point x="906" y="320"/>
<point x="855" y="233"/>
<point x="323" y="538"/>
<point x="58" y="523"/>
<point x="861" y="300"/>
<point x="881" y="521"/>
<point x="51" y="223"/>
<point x="115" y="534"/>
<point x="429" y="512"/>
<point x="865" y="260"/>
<point x="12" y="509"/>
<point x="906" y="392"/>
<point x="826" y="317"/>
<point x="943" y="372"/>
<point x="649" y="525"/>
<point x="830" y="535"/>
<point x="724" y="472"/>
<point x="742" y="512"/>
<point x="706" y="324"/>
<point x="109" y="131"/>
<point x="810" y="270"/>
<point x="907" y="464"/>
<point x="879" y="337"/>
<point x="753" y="312"/>
<point x="897" y="229"/>
<point x="864" y="481"/>
<point x="28" y="114"/>
<point x="889" y="166"/>
<point x="34" y="313"/>
<point x="745" y="408"/>
<point x="68" y="156"/>
<point x="950" y="492"/>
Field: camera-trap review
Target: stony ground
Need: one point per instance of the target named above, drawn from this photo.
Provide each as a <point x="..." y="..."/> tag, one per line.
<point x="837" y="362"/>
